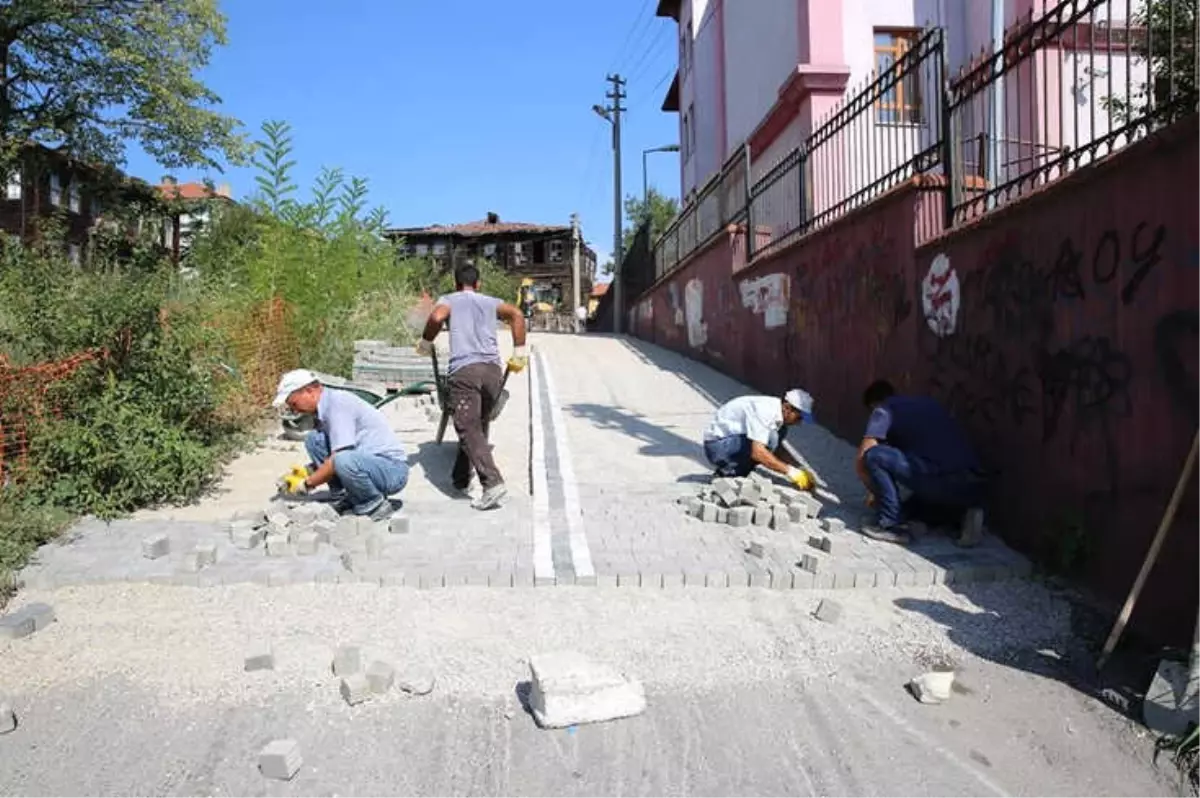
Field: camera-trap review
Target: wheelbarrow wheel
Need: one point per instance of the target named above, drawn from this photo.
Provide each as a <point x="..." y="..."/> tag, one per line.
<point x="297" y="427"/>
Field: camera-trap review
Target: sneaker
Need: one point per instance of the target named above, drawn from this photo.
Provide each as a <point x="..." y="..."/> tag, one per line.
<point x="898" y="534"/>
<point x="462" y="490"/>
<point x="492" y="498"/>
<point x="972" y="528"/>
<point x="383" y="511"/>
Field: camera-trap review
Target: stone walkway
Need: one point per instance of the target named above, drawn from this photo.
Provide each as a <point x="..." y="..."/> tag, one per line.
<point x="598" y="442"/>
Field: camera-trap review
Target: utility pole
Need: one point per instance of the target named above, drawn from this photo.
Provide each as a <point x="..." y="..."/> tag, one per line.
<point x="612" y="112"/>
<point x="575" y="264"/>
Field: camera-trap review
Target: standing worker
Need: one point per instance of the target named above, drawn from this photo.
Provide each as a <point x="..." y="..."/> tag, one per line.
<point x="580" y="319"/>
<point x="475" y="375"/>
<point x="352" y="448"/>
<point x="749" y="431"/>
<point x="912" y="441"/>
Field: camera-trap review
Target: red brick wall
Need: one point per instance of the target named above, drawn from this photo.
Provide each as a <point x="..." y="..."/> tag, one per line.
<point x="1071" y="356"/>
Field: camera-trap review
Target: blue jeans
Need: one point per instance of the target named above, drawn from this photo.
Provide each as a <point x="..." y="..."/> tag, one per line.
<point x="730" y="455"/>
<point x="367" y="479"/>
<point x="889" y="468"/>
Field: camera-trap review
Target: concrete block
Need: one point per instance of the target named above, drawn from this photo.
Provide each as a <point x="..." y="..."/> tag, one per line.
<point x="803" y="580"/>
<point x="693" y="578"/>
<point x="279" y="546"/>
<point x="759" y="479"/>
<point x="835" y="525"/>
<point x="155" y="546"/>
<point x="399" y="525"/>
<point x="355" y="689"/>
<point x="278" y="518"/>
<point x="280" y="760"/>
<point x="762" y="515"/>
<point x="347" y="660"/>
<point x="569" y="690"/>
<point x="380" y="676"/>
<point x="629" y="579"/>
<point x="324" y="529"/>
<point x="416" y="682"/>
<point x="672" y="579"/>
<point x="828" y="611"/>
<point x="716" y="579"/>
<point x="780" y="520"/>
<point x="347" y="525"/>
<point x="816" y="541"/>
<point x="192" y="563"/>
<point x="755" y="549"/>
<point x="207" y="552"/>
<point x="741" y="516"/>
<point x="758" y="577"/>
<point x="810" y="563"/>
<point x="307" y="542"/>
<point x="797" y="513"/>
<point x="694" y="507"/>
<point x="708" y="512"/>
<point x="255" y="517"/>
<point x="722" y="515"/>
<point x="726" y="494"/>
<point x="246" y="538"/>
<point x="843" y="579"/>
<point x="864" y="580"/>
<point x="750" y="494"/>
<point x="781" y="577"/>
<point x="8" y="718"/>
<point x="260" y="657"/>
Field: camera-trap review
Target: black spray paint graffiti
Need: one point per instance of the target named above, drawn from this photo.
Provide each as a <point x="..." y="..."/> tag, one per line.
<point x="1091" y="377"/>
<point x="976" y="380"/>
<point x="1173" y="332"/>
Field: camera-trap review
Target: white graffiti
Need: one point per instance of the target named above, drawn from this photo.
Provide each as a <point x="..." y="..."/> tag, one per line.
<point x="940" y="297"/>
<point x="767" y="296"/>
<point x="693" y="303"/>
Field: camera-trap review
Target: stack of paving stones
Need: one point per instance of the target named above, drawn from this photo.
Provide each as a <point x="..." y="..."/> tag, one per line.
<point x="753" y="501"/>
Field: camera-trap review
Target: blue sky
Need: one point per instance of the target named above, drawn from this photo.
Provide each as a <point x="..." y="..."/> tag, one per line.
<point x="453" y="108"/>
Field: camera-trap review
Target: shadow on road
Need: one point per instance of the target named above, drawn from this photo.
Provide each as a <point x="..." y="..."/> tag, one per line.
<point x="436" y="460"/>
<point x="704" y="380"/>
<point x="1071" y="659"/>
<point x="660" y="442"/>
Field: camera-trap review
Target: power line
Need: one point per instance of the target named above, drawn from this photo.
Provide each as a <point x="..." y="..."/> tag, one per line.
<point x="644" y="10"/>
<point x="654" y="44"/>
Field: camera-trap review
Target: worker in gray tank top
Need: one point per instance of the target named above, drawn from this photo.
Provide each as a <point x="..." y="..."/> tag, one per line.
<point x="475" y="376"/>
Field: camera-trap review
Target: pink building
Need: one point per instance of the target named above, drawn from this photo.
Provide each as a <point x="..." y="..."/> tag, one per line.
<point x="766" y="72"/>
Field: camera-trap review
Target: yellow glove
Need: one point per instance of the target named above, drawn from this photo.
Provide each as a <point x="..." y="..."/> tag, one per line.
<point x="518" y="361"/>
<point x="293" y="481"/>
<point x="424" y="348"/>
<point x="800" y="478"/>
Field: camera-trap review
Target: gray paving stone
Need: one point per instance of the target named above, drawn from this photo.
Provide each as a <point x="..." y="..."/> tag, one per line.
<point x="280" y="760"/>
<point x="155" y="546"/>
<point x="762" y="515"/>
<point x="828" y="611"/>
<point x="708" y="512"/>
<point x="797" y="512"/>
<point x="633" y="579"/>
<point x="835" y="525"/>
<point x="716" y="579"/>
<point x="722" y="515"/>
<point x="606" y="580"/>
<point x="585" y="581"/>
<point x="843" y="579"/>
<point x="906" y="575"/>
<point x="741" y="516"/>
<point x="781" y="578"/>
<point x="810" y="563"/>
<point x="347" y="659"/>
<point x="803" y="580"/>
<point x="259" y="657"/>
<point x="755" y="549"/>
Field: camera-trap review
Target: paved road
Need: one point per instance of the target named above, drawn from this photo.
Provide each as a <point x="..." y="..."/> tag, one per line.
<point x="139" y="687"/>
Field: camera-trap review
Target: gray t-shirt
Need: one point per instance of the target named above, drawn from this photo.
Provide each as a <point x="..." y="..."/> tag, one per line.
<point x="472" y="328"/>
<point x="349" y="421"/>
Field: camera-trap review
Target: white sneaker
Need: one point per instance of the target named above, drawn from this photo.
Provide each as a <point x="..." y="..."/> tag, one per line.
<point x="492" y="498"/>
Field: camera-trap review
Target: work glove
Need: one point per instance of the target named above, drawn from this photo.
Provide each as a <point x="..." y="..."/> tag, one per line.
<point x="293" y="481"/>
<point x="424" y="348"/>
<point x="518" y="361"/>
<point x="800" y="478"/>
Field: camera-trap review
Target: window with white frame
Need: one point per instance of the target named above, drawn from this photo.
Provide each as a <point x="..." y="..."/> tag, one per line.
<point x="520" y="256"/>
<point x="422" y="249"/>
<point x="556" y="251"/>
<point x="13" y="190"/>
<point x="439" y="248"/>
<point x="74" y="197"/>
<point x="56" y="197"/>
<point x="489" y="250"/>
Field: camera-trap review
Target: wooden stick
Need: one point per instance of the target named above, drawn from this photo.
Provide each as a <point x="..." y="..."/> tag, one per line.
<point x="1151" y="556"/>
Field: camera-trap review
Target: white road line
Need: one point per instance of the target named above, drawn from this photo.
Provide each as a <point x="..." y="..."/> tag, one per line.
<point x="543" y="559"/>
<point x="581" y="555"/>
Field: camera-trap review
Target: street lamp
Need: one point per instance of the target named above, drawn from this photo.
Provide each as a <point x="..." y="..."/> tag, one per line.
<point x="645" y="186"/>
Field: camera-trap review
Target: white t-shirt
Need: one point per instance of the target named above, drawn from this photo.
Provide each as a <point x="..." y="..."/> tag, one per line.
<point x="581" y="313"/>
<point x="759" y="418"/>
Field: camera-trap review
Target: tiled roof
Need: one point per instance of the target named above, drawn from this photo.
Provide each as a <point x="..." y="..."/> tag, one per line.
<point x="482" y="227"/>
<point x="191" y="191"/>
<point x="600" y="289"/>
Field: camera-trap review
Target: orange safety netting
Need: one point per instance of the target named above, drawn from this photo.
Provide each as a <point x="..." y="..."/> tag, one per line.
<point x="263" y="344"/>
<point x="24" y="398"/>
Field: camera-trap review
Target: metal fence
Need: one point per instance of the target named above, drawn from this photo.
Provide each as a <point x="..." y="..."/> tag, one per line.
<point x="1079" y="82"/>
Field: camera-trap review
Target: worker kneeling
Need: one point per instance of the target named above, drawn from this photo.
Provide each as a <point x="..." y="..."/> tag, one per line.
<point x="749" y="431"/>
<point x="912" y="441"/>
<point x="352" y="448"/>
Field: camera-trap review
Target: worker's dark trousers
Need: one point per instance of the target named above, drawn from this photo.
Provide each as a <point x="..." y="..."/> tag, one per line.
<point x="890" y="468"/>
<point x="474" y="390"/>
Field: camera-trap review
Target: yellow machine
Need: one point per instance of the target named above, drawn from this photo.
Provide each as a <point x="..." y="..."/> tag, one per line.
<point x="528" y="294"/>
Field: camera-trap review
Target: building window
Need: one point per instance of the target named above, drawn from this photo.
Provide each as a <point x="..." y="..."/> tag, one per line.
<point x="13" y="190"/>
<point x="55" y="190"/>
<point x="421" y="249"/>
<point x="74" y="198"/>
<point x="900" y="103"/>
<point x="439" y="248"/>
<point x="519" y="255"/>
<point x="556" y="252"/>
<point x="489" y="250"/>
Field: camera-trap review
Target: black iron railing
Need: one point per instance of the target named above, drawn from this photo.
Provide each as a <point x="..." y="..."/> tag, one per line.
<point x="1076" y="84"/>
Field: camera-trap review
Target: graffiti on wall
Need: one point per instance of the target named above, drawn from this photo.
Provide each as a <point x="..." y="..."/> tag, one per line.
<point x="693" y="302"/>
<point x="767" y="296"/>
<point x="676" y="305"/>
<point x="940" y="297"/>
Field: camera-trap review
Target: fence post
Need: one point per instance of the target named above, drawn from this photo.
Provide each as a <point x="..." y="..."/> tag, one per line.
<point x="950" y="148"/>
<point x="750" y="231"/>
<point x="805" y="188"/>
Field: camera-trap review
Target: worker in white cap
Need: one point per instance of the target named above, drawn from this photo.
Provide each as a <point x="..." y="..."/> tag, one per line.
<point x="749" y="431"/>
<point x="352" y="448"/>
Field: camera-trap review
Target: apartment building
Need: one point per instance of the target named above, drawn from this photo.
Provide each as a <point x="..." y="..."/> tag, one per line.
<point x="766" y="72"/>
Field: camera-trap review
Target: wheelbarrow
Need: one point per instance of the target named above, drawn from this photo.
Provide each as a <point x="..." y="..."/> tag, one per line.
<point x="298" y="425"/>
<point x="443" y="398"/>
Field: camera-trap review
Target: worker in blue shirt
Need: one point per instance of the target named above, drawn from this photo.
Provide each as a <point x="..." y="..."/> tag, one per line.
<point x="912" y="441"/>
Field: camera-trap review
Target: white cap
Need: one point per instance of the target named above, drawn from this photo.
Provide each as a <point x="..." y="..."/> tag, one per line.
<point x="801" y="400"/>
<point x="292" y="381"/>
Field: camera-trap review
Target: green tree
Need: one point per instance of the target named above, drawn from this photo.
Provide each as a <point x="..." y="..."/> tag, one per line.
<point x="1168" y="44"/>
<point x="659" y="209"/>
<point x="88" y="75"/>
